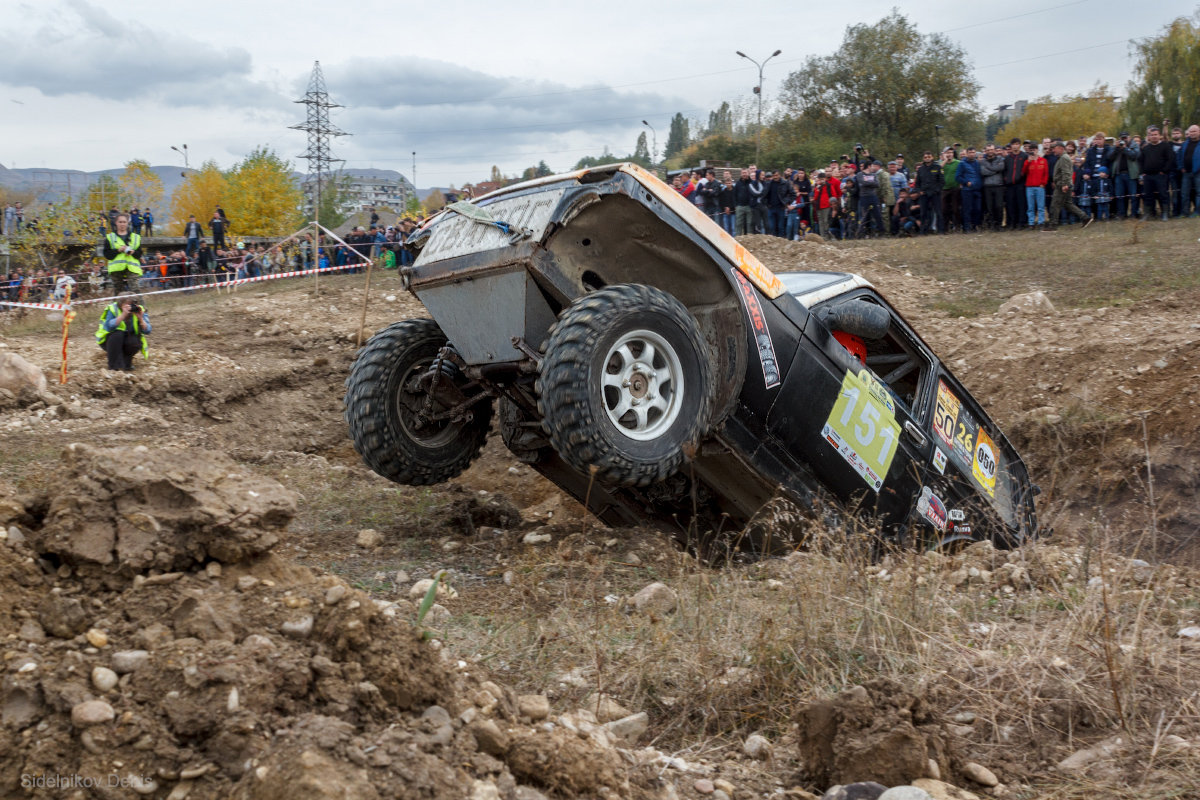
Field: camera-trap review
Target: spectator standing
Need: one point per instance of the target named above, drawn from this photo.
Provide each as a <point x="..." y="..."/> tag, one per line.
<point x="148" y="222"/>
<point x="123" y="252"/>
<point x="991" y="166"/>
<point x="823" y="201"/>
<point x="1122" y="164"/>
<point x="135" y="220"/>
<point x="204" y="263"/>
<point x="1097" y="157"/>
<point x="779" y="196"/>
<point x="192" y="231"/>
<point x="1188" y="165"/>
<point x="929" y="185"/>
<point x="1037" y="172"/>
<point x="726" y="203"/>
<point x="1176" y="182"/>
<point x="1014" y="186"/>
<point x="870" y="204"/>
<point x="758" y="207"/>
<point x="742" y="198"/>
<point x="1157" y="162"/>
<point x="951" y="193"/>
<point x="970" y="180"/>
<point x="10" y="219"/>
<point x="217" y="226"/>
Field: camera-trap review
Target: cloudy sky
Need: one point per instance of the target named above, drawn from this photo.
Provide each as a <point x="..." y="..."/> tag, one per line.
<point x="468" y="84"/>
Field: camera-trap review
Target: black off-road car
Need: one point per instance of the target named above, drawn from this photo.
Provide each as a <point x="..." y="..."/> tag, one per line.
<point x="640" y="358"/>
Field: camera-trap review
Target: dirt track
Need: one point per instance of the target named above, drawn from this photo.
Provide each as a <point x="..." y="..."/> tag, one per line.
<point x="257" y="376"/>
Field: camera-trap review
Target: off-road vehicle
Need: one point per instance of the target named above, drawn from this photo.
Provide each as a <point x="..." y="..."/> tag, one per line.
<point x="640" y="358"/>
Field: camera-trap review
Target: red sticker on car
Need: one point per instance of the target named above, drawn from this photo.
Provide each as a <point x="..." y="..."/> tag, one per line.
<point x="761" y="333"/>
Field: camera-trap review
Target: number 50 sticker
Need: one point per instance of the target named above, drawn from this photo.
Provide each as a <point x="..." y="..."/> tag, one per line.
<point x="863" y="430"/>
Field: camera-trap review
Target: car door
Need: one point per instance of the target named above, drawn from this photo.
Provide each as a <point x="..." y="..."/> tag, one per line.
<point x="975" y="472"/>
<point x="859" y="429"/>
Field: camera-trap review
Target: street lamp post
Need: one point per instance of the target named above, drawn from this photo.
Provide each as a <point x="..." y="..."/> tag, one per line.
<point x="758" y="91"/>
<point x="184" y="153"/>
<point x="654" y="140"/>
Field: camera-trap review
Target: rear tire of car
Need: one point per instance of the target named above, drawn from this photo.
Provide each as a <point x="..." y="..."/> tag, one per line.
<point x="625" y="387"/>
<point x="380" y="404"/>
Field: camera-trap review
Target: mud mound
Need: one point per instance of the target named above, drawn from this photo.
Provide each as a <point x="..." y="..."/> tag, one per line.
<point x="166" y="510"/>
<point x="237" y="674"/>
<point x="881" y="732"/>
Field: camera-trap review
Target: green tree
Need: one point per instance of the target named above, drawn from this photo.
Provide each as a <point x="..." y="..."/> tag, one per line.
<point x="1166" y="77"/>
<point x="1066" y="118"/>
<point x="54" y="241"/>
<point x="720" y="122"/>
<point x="886" y="86"/>
<point x="140" y="184"/>
<point x="263" y="198"/>
<point x="104" y="193"/>
<point x="678" y="136"/>
<point x="335" y="201"/>
<point x="414" y="205"/>
<point x="641" y="150"/>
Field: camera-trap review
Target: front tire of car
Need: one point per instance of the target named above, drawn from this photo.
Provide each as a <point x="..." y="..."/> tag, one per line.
<point x="387" y="411"/>
<point x="625" y="387"/>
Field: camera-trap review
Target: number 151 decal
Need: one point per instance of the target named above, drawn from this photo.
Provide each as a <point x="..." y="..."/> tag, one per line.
<point x="863" y="429"/>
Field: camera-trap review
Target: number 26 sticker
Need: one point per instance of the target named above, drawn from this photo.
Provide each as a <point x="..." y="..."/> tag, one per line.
<point x="863" y="430"/>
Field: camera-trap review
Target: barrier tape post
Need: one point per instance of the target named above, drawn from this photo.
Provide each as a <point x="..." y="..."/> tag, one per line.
<point x="68" y="315"/>
<point x="362" y="322"/>
<point x="317" y="257"/>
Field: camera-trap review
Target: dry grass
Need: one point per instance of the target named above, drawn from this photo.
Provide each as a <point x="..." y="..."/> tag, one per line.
<point x="1109" y="263"/>
<point x="1048" y="664"/>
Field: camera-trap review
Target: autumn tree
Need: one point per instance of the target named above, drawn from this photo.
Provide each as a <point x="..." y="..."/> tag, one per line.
<point x="199" y="195"/>
<point x="1166" y="77"/>
<point x="1067" y="117"/>
<point x="263" y="198"/>
<point x="434" y="202"/>
<point x="887" y="85"/>
<point x="140" y="184"/>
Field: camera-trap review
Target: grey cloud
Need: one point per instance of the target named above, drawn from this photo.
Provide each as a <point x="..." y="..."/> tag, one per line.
<point x="81" y="49"/>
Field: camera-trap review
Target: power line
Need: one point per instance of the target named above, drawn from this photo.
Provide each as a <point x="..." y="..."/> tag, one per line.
<point x="527" y="127"/>
<point x="1060" y="53"/>
<point x="1014" y="16"/>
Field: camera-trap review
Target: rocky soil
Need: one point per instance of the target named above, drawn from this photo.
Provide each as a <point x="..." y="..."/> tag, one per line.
<point x="206" y="594"/>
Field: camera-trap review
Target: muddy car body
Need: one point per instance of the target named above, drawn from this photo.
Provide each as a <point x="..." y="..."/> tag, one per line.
<point x="639" y="357"/>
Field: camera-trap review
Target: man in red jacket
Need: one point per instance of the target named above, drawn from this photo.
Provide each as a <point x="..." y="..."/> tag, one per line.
<point x="1037" y="172"/>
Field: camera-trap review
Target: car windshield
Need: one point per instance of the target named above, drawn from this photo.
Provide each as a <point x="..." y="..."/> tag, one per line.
<point x="801" y="283"/>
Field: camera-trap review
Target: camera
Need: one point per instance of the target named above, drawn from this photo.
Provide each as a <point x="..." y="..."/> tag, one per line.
<point x="858" y="146"/>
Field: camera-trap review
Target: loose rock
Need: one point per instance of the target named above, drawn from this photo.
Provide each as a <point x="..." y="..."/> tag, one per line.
<point x="757" y="747"/>
<point x="980" y="774"/>
<point x="656" y="599"/>
<point x="125" y="661"/>
<point x="92" y="712"/>
<point x="905" y="793"/>
<point x="534" y="706"/>
<point x="631" y="728"/>
<point x="298" y="629"/>
<point x="704" y="786"/>
<point x="369" y="538"/>
<point x="861" y="790"/>
<point x="104" y="679"/>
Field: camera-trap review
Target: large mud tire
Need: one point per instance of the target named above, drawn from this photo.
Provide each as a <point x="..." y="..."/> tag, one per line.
<point x="378" y="409"/>
<point x="625" y="386"/>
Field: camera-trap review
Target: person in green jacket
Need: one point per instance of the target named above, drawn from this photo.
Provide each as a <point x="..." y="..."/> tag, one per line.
<point x="123" y="252"/>
<point x="1064" y="188"/>
<point x="122" y="332"/>
<point x="951" y="194"/>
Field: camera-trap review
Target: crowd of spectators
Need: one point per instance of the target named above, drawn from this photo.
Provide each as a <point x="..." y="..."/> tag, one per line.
<point x="1015" y="186"/>
<point x="200" y="263"/>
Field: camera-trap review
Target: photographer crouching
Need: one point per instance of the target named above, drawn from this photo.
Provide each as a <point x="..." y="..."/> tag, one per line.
<point x="122" y="331"/>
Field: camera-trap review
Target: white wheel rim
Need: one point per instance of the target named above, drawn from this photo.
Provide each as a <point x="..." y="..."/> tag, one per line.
<point x="642" y="385"/>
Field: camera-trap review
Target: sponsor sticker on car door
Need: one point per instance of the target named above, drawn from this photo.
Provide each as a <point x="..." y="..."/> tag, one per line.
<point x="862" y="427"/>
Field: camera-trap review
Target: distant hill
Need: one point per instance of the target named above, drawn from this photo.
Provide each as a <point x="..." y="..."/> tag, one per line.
<point x="53" y="185"/>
